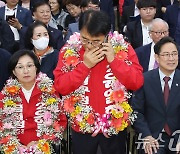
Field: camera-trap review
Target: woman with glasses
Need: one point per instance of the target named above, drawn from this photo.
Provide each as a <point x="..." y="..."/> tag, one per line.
<point x="39" y="40"/>
<point x="31" y="115"/>
<point x="94" y="70"/>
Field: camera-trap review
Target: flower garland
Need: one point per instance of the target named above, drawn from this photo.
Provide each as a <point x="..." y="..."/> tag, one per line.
<point x="117" y="116"/>
<point x="12" y="118"/>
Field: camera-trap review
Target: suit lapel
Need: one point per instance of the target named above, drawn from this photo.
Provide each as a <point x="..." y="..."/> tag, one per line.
<point x="174" y="88"/>
<point x="156" y="84"/>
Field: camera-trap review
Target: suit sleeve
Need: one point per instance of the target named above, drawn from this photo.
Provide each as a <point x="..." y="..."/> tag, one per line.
<point x="65" y="83"/>
<point x="129" y="75"/>
<point x="138" y="104"/>
<point x="60" y="41"/>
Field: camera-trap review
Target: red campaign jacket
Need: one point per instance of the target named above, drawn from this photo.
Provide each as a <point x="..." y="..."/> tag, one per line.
<point x="29" y="110"/>
<point x="129" y="75"/>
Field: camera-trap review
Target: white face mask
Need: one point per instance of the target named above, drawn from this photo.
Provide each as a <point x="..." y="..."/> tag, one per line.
<point x="41" y="43"/>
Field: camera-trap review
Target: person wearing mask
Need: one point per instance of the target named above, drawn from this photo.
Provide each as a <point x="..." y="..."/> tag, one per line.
<point x="38" y="39"/>
<point x="42" y="12"/>
<point x="92" y="75"/>
<point x="31" y="114"/>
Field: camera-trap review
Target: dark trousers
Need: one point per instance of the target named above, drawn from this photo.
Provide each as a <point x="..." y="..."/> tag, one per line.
<point x="86" y="144"/>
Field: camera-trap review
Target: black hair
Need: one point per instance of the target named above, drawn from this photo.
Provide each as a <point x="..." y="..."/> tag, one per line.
<point x="17" y="55"/>
<point x="74" y="2"/>
<point x="146" y="3"/>
<point x="160" y="43"/>
<point x="29" y="34"/>
<point x="84" y="3"/>
<point x="38" y="4"/>
<point x="96" y="22"/>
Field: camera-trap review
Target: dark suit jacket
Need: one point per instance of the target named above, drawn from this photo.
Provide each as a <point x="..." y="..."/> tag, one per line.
<point x="4" y="59"/>
<point x="127" y="12"/>
<point x="152" y="111"/>
<point x="107" y="6"/>
<point x="134" y="33"/>
<point x="144" y="53"/>
<point x="6" y="36"/>
<point x="171" y="17"/>
<point x="23" y="15"/>
<point x="163" y="3"/>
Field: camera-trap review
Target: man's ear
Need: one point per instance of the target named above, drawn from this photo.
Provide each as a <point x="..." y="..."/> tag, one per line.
<point x="156" y="56"/>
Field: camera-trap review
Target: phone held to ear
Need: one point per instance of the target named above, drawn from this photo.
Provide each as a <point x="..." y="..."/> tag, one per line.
<point x="9" y="17"/>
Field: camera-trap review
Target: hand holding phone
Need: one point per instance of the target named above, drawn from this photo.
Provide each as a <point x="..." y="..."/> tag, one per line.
<point x="10" y="17"/>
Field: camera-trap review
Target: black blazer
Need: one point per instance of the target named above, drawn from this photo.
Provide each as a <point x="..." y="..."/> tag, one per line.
<point x="134" y="33"/>
<point x="143" y="54"/>
<point x="148" y="101"/>
<point x="4" y="74"/>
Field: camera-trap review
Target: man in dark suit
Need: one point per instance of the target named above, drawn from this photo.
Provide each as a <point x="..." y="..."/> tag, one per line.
<point x="138" y="31"/>
<point x="17" y="17"/>
<point x="157" y="102"/>
<point x="172" y="17"/>
<point x="162" y="5"/>
<point x="6" y="36"/>
<point x="130" y="13"/>
<point x="157" y="30"/>
<point x="4" y="59"/>
<point x="107" y="6"/>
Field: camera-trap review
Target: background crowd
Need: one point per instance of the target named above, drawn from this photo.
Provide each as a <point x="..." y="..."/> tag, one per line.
<point x="152" y="29"/>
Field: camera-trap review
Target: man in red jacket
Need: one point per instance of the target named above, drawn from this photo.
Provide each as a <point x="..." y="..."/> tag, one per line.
<point x="94" y="71"/>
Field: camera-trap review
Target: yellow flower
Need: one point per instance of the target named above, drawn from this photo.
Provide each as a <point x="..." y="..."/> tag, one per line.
<point x="82" y="124"/>
<point x="127" y="108"/>
<point x="9" y="103"/>
<point x="119" y="48"/>
<point x="73" y="114"/>
<point x="123" y="126"/>
<point x="44" y="146"/>
<point x="68" y="52"/>
<point x="117" y="114"/>
<point x="50" y="101"/>
<point x="86" y="116"/>
<point x="78" y="109"/>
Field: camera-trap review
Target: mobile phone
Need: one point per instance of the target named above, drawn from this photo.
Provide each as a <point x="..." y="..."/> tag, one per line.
<point x="9" y="17"/>
<point x="105" y="39"/>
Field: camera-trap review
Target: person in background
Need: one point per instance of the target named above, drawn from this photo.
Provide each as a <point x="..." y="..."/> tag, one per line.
<point x="7" y="41"/>
<point x="162" y="6"/>
<point x="157" y="30"/>
<point x="88" y="66"/>
<point x="73" y="7"/>
<point x="38" y="39"/>
<point x="85" y="5"/>
<point x="157" y="102"/>
<point x="31" y="114"/>
<point x="42" y="12"/>
<point x="130" y="13"/>
<point x="107" y="6"/>
<point x="138" y="31"/>
<point x="172" y="17"/>
<point x="4" y="59"/>
<point x="17" y="17"/>
<point x="59" y="16"/>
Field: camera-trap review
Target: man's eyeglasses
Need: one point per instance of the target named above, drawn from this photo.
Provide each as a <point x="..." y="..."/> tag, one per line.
<point x="168" y="55"/>
<point x="95" y="43"/>
<point x="160" y="33"/>
<point x="27" y="67"/>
